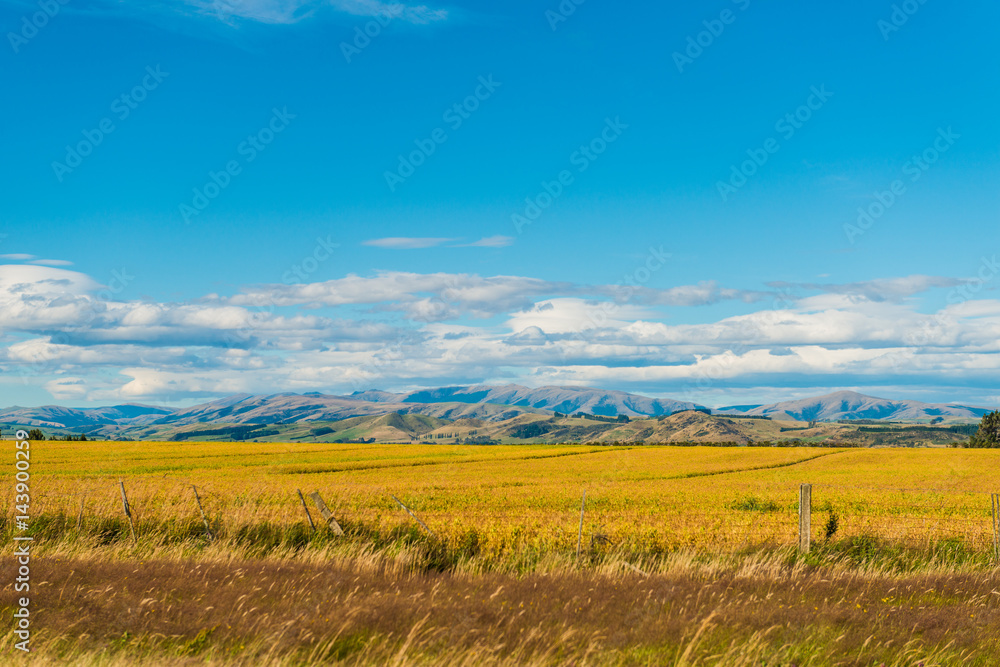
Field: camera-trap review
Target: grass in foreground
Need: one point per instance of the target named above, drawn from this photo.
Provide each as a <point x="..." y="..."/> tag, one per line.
<point x="356" y="605"/>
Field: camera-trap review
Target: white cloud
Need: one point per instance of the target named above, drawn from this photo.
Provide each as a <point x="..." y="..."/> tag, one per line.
<point x="704" y="293"/>
<point x="407" y="242"/>
<point x="51" y="262"/>
<point x="67" y="389"/>
<point x="274" y="12"/>
<point x="419" y="14"/>
<point x="528" y="336"/>
<point x="412" y="293"/>
<point x="472" y="294"/>
<point x="885" y="289"/>
<point x="568" y="316"/>
<point x="417" y="243"/>
<point x="19" y="280"/>
<point x="57" y="332"/>
<point x="491" y="242"/>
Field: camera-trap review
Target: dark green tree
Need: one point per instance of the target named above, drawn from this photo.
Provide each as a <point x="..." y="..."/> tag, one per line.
<point x="988" y="434"/>
<point x="36" y="434"/>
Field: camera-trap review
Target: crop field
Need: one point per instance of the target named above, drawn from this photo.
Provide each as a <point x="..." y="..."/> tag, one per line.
<point x="512" y="499"/>
<point x="688" y="554"/>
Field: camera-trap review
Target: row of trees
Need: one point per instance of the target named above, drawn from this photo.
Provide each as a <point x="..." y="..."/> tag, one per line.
<point x="37" y="434"/>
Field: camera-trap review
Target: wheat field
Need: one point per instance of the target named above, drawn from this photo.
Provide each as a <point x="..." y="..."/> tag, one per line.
<point x="685" y="555"/>
<point x="646" y="500"/>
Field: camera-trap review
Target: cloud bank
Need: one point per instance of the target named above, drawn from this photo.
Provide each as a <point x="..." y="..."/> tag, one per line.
<point x="63" y="331"/>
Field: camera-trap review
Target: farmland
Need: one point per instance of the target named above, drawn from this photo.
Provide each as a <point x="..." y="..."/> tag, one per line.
<point x="901" y="536"/>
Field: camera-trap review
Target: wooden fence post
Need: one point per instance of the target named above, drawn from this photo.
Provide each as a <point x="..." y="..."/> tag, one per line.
<point x="128" y="509"/>
<point x="306" y="508"/>
<point x="805" y="516"/>
<point x="415" y="517"/>
<point x="579" y="537"/>
<point x="79" y="517"/>
<point x="326" y="513"/>
<point x="204" y="519"/>
<point x="996" y="525"/>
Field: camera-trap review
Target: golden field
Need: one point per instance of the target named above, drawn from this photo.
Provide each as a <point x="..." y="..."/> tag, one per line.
<point x="688" y="556"/>
<point x="643" y="500"/>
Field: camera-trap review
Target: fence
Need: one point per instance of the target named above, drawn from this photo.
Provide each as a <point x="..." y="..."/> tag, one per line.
<point x="816" y="515"/>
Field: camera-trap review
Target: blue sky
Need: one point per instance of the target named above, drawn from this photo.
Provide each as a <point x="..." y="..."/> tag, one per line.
<point x="704" y="243"/>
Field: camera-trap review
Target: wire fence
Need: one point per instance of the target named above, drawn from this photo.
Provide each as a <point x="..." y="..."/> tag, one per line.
<point x="901" y="516"/>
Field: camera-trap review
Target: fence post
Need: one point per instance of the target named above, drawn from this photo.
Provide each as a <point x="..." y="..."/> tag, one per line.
<point x="416" y="518"/>
<point x="579" y="537"/>
<point x="326" y="513"/>
<point x="128" y="509"/>
<point x="204" y="519"/>
<point x="805" y="516"/>
<point x="306" y="508"/>
<point x="996" y="525"/>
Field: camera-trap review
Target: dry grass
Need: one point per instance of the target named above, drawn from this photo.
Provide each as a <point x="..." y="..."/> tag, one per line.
<point x="384" y="608"/>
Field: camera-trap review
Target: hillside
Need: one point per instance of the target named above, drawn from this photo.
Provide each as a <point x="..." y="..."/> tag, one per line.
<point x="852" y="405"/>
<point x="60" y="417"/>
<point x="505" y="413"/>
<point x="558" y="399"/>
<point x="290" y="408"/>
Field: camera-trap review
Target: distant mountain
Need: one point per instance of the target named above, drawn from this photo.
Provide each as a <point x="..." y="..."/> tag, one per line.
<point x="559" y="399"/>
<point x="56" y="416"/>
<point x="489" y="405"/>
<point x="852" y="405"/>
<point x="735" y="409"/>
<point x="290" y="408"/>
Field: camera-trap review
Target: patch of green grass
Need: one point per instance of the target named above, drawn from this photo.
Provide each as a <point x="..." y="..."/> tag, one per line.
<point x="754" y="504"/>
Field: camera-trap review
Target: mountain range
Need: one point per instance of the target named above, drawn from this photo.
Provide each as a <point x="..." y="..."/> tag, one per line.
<point x="486" y="404"/>
<point x="852" y="405"/>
